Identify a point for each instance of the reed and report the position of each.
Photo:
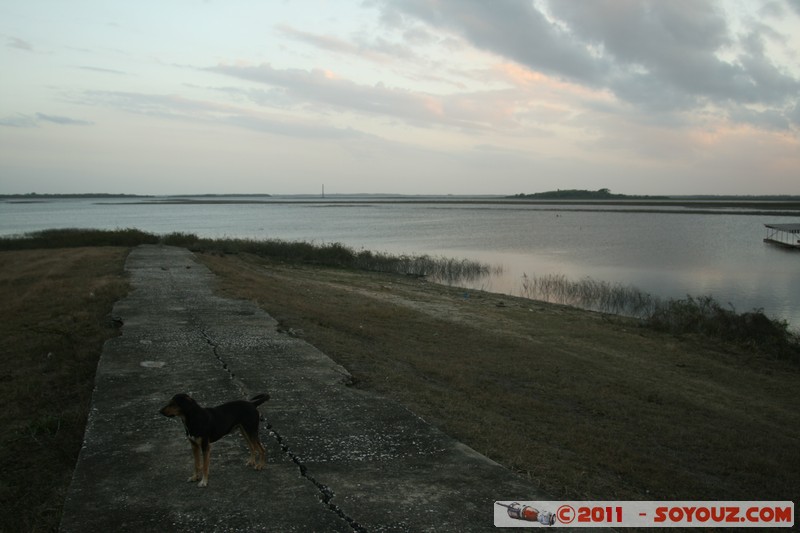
(438, 269)
(588, 293)
(691, 315)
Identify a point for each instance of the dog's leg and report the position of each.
(206, 448)
(197, 464)
(262, 454)
(256, 450)
(251, 461)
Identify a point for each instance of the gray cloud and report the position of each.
(293, 129)
(317, 88)
(18, 121)
(157, 105)
(514, 29)
(19, 44)
(21, 120)
(179, 108)
(379, 50)
(103, 70)
(327, 42)
(658, 55)
(64, 121)
(674, 45)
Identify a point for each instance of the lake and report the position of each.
(669, 252)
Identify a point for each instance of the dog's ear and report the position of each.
(184, 401)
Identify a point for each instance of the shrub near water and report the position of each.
(76, 237)
(706, 316)
(691, 315)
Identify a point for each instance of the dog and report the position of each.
(206, 425)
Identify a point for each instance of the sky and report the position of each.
(401, 97)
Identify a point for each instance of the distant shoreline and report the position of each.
(718, 205)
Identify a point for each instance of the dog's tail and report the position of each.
(258, 400)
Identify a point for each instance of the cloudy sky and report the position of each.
(391, 96)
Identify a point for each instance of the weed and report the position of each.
(705, 316)
(590, 294)
(692, 315)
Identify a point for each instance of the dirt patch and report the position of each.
(587, 405)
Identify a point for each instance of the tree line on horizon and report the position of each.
(606, 194)
(585, 194)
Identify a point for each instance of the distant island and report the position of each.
(583, 194)
(37, 197)
(33, 196)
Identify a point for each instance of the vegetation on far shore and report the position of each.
(33, 196)
(606, 194)
(583, 194)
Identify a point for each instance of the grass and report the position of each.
(438, 269)
(589, 408)
(586, 406)
(54, 323)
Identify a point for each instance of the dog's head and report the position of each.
(179, 405)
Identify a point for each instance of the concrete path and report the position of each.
(339, 459)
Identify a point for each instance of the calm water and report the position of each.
(665, 254)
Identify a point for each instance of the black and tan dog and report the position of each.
(207, 425)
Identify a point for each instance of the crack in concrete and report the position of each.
(326, 494)
(215, 349)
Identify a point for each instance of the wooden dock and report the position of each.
(783, 235)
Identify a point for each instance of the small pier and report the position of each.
(783, 235)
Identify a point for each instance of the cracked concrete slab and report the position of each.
(339, 459)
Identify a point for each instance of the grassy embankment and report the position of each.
(53, 325)
(588, 405)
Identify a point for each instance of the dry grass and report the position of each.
(591, 407)
(54, 322)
